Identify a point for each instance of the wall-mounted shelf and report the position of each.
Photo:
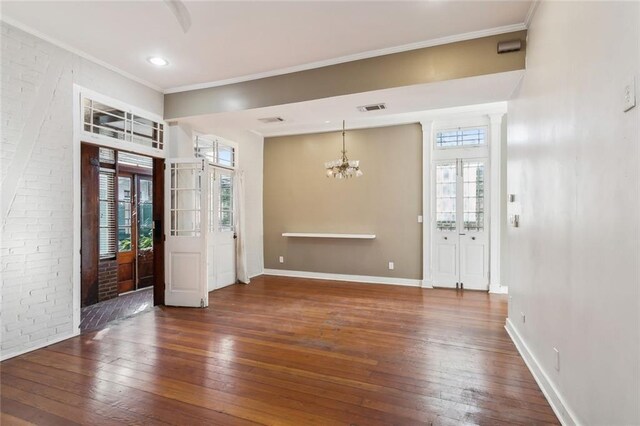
(317, 235)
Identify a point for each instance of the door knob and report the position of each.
(473, 238)
(445, 238)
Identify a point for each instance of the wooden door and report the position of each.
(144, 196)
(127, 233)
(90, 212)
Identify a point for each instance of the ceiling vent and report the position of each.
(268, 120)
(373, 107)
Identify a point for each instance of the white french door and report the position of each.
(186, 192)
(460, 224)
(221, 242)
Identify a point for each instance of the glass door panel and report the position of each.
(145, 231)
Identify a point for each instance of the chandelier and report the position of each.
(343, 168)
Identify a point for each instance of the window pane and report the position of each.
(124, 238)
(145, 215)
(225, 203)
(225, 155)
(446, 197)
(118, 124)
(473, 195)
(185, 199)
(475, 136)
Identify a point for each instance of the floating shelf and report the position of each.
(315, 235)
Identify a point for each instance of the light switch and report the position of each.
(281, 259)
(629, 95)
(419, 218)
(391, 265)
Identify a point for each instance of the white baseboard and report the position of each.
(501, 289)
(566, 416)
(342, 277)
(45, 343)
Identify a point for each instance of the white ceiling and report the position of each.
(240, 40)
(408, 104)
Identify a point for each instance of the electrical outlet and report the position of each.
(391, 265)
(281, 259)
(629, 95)
(557, 353)
(524, 317)
(420, 218)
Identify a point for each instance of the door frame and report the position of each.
(158, 155)
(493, 118)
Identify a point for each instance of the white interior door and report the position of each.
(445, 234)
(474, 238)
(186, 192)
(460, 234)
(222, 243)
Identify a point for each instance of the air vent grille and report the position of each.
(373, 107)
(268, 120)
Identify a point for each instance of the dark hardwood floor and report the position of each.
(287, 351)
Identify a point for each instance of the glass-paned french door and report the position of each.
(460, 226)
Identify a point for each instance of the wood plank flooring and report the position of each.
(287, 351)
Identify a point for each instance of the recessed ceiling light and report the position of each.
(327, 122)
(158, 61)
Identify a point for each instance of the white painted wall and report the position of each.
(37, 182)
(573, 165)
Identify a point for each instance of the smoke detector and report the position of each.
(372, 107)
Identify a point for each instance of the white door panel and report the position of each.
(185, 245)
(222, 246)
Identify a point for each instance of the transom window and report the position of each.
(215, 152)
(102, 119)
(461, 137)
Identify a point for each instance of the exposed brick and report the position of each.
(107, 279)
(36, 238)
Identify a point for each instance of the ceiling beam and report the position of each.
(432, 64)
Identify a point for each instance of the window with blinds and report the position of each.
(107, 223)
(215, 152)
(102, 119)
(461, 137)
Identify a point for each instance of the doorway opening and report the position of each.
(460, 199)
(122, 243)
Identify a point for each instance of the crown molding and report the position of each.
(304, 67)
(355, 57)
(80, 53)
(531, 12)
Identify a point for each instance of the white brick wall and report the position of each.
(36, 133)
